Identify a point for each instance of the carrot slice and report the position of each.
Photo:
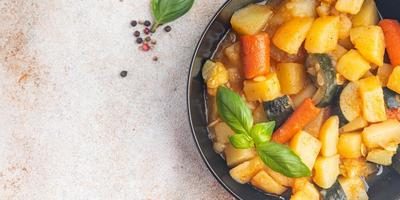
(391, 30)
(297, 121)
(255, 51)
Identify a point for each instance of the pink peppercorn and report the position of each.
(145, 47)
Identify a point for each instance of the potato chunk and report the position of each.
(380, 156)
(326, 171)
(244, 172)
(373, 103)
(236, 156)
(352, 65)
(370, 42)
(266, 183)
(306, 147)
(382, 134)
(251, 19)
(354, 125)
(394, 80)
(262, 88)
(222, 133)
(368, 14)
(323, 35)
(292, 77)
(279, 178)
(350, 145)
(353, 188)
(329, 136)
(304, 190)
(384, 73)
(292, 34)
(349, 6)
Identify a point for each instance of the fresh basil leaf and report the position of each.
(233, 110)
(262, 132)
(241, 141)
(165, 11)
(282, 159)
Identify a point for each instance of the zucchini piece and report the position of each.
(278, 110)
(324, 76)
(350, 102)
(392, 99)
(335, 192)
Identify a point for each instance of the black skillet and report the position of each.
(383, 187)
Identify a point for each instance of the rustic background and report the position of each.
(72, 128)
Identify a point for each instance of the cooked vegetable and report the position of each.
(214, 74)
(334, 193)
(292, 77)
(394, 80)
(291, 35)
(235, 156)
(326, 171)
(262, 88)
(373, 103)
(350, 145)
(329, 136)
(255, 52)
(320, 66)
(349, 6)
(303, 189)
(352, 65)
(301, 116)
(368, 14)
(354, 125)
(259, 114)
(233, 54)
(393, 113)
(338, 52)
(384, 73)
(222, 133)
(392, 99)
(251, 19)
(314, 126)
(247, 170)
(266, 183)
(380, 156)
(370, 42)
(304, 94)
(279, 178)
(278, 110)
(218, 147)
(382, 134)
(306, 147)
(301, 8)
(350, 102)
(356, 168)
(344, 26)
(354, 188)
(323, 35)
(391, 30)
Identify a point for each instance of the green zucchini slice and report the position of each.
(278, 110)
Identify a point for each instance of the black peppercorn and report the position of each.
(167, 28)
(133, 23)
(139, 40)
(148, 39)
(136, 33)
(147, 23)
(123, 74)
(155, 58)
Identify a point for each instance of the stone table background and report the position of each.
(72, 128)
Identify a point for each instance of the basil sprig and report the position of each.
(234, 111)
(165, 11)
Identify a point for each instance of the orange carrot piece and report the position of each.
(300, 118)
(391, 30)
(393, 113)
(255, 52)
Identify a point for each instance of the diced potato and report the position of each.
(266, 183)
(323, 35)
(218, 147)
(279, 178)
(356, 167)
(370, 42)
(380, 156)
(382, 134)
(349, 6)
(329, 136)
(350, 145)
(304, 190)
(236, 156)
(354, 188)
(373, 104)
(262, 88)
(292, 77)
(214, 74)
(326, 171)
(344, 26)
(314, 126)
(233, 54)
(352, 65)
(306, 147)
(323, 9)
(251, 19)
(301, 8)
(394, 80)
(338, 52)
(384, 73)
(244, 172)
(222, 133)
(292, 34)
(307, 92)
(367, 16)
(354, 125)
(259, 114)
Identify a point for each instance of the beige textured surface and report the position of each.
(71, 128)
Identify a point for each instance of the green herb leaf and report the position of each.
(165, 11)
(234, 111)
(241, 141)
(282, 159)
(262, 132)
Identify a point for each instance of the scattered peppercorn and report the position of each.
(155, 58)
(154, 42)
(145, 47)
(147, 23)
(133, 23)
(123, 74)
(146, 31)
(148, 39)
(167, 28)
(136, 33)
(139, 40)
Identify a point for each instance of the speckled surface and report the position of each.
(72, 128)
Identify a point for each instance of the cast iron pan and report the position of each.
(383, 187)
